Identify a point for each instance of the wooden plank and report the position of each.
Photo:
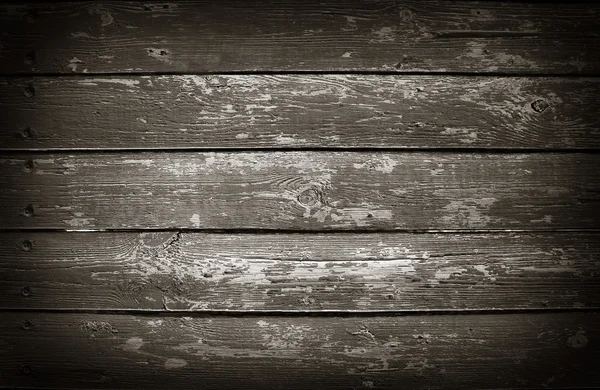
(312, 35)
(292, 272)
(421, 352)
(300, 191)
(225, 111)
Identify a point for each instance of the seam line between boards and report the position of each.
(304, 313)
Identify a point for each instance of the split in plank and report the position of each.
(541, 350)
(299, 272)
(300, 191)
(335, 111)
(312, 35)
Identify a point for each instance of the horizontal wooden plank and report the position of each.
(299, 272)
(347, 111)
(312, 35)
(300, 190)
(422, 352)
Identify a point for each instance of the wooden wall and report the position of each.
(281, 194)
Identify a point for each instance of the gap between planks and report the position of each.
(305, 313)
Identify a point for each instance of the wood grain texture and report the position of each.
(312, 35)
(299, 272)
(332, 111)
(300, 190)
(431, 352)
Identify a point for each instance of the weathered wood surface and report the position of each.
(300, 190)
(299, 272)
(550, 350)
(348, 111)
(349, 35)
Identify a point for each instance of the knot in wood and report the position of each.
(32, 15)
(25, 245)
(406, 15)
(26, 369)
(26, 325)
(29, 90)
(26, 292)
(29, 165)
(30, 58)
(540, 105)
(27, 211)
(27, 133)
(310, 197)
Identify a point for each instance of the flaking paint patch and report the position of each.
(155, 323)
(468, 212)
(173, 363)
(447, 272)
(285, 338)
(79, 222)
(159, 54)
(384, 34)
(418, 365)
(467, 136)
(283, 139)
(133, 344)
(361, 216)
(493, 60)
(384, 164)
(546, 219)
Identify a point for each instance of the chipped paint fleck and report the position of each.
(195, 220)
(73, 62)
(80, 34)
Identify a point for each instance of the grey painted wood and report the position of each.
(299, 272)
(300, 190)
(550, 350)
(349, 35)
(224, 111)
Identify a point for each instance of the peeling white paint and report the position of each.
(126, 82)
